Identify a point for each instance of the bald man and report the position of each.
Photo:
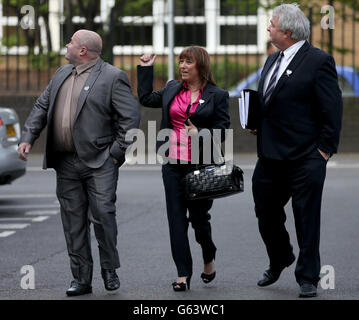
(88, 107)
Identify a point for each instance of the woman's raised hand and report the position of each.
(147, 60)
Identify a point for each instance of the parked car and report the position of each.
(347, 77)
(11, 167)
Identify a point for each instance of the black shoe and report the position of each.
(272, 274)
(207, 278)
(307, 290)
(110, 279)
(182, 286)
(78, 289)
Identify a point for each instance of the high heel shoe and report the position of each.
(182, 286)
(207, 278)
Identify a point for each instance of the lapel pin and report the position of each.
(288, 72)
(87, 87)
(201, 101)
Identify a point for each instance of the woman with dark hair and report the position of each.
(188, 106)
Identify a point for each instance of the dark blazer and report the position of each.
(305, 109)
(213, 113)
(106, 110)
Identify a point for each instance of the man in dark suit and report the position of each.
(298, 130)
(88, 107)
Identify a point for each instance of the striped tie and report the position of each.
(272, 81)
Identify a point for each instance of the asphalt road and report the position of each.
(31, 234)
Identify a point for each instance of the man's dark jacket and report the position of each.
(305, 109)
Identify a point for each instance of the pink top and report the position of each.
(180, 143)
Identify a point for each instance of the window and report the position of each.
(189, 7)
(238, 34)
(239, 8)
(189, 23)
(137, 8)
(188, 34)
(238, 26)
(133, 35)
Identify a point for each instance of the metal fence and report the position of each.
(234, 33)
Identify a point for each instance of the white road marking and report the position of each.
(40, 219)
(332, 164)
(28, 206)
(27, 196)
(41, 212)
(35, 169)
(14, 226)
(37, 219)
(5, 234)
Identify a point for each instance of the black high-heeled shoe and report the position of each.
(207, 278)
(182, 286)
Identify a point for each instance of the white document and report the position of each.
(243, 104)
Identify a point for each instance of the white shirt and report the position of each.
(289, 54)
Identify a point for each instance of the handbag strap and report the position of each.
(220, 148)
(214, 144)
(188, 108)
(198, 166)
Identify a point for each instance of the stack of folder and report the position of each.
(249, 108)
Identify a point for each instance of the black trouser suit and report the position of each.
(177, 207)
(274, 183)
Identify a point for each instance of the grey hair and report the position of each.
(91, 40)
(291, 18)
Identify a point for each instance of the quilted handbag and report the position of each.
(214, 181)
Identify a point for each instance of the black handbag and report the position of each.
(214, 181)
